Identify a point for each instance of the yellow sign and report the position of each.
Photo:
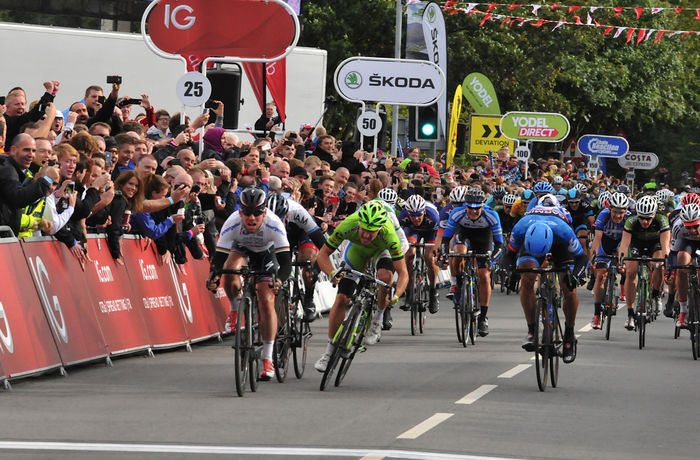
(485, 134)
(454, 119)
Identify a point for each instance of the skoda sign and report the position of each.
(390, 81)
(639, 160)
(602, 146)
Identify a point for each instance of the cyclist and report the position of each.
(495, 201)
(583, 190)
(666, 202)
(305, 237)
(684, 244)
(559, 190)
(645, 234)
(507, 220)
(259, 236)
(674, 221)
(541, 189)
(420, 221)
(601, 202)
(542, 231)
(581, 217)
(388, 198)
(520, 206)
(609, 226)
(479, 227)
(370, 233)
(456, 200)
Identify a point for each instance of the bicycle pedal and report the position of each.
(362, 349)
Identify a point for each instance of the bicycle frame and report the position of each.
(642, 313)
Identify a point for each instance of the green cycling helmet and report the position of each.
(373, 216)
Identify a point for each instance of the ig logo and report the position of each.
(171, 17)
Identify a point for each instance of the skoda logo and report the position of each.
(353, 80)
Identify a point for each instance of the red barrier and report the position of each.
(115, 304)
(62, 292)
(218, 301)
(151, 283)
(196, 308)
(26, 344)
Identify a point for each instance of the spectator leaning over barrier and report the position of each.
(128, 198)
(16, 114)
(126, 146)
(15, 190)
(152, 225)
(35, 219)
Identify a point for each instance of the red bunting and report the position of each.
(508, 19)
(697, 16)
(491, 6)
(618, 10)
(608, 30)
(554, 7)
(573, 8)
(486, 18)
(513, 6)
(658, 37)
(453, 12)
(678, 10)
(538, 23)
(450, 3)
(640, 37)
(639, 12)
(578, 20)
(630, 33)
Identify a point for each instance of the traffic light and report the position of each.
(427, 123)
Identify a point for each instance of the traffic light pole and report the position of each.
(397, 55)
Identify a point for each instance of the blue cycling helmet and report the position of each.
(622, 188)
(544, 187)
(538, 239)
(573, 194)
(527, 195)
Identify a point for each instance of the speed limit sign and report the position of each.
(369, 123)
(522, 153)
(193, 89)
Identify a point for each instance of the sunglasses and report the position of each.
(575, 202)
(645, 218)
(252, 211)
(690, 227)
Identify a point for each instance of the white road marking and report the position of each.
(586, 328)
(515, 371)
(476, 394)
(425, 425)
(228, 450)
(372, 457)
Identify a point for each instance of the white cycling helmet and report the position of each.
(457, 194)
(388, 195)
(558, 180)
(581, 188)
(647, 206)
(548, 200)
(690, 214)
(415, 204)
(603, 199)
(618, 200)
(509, 199)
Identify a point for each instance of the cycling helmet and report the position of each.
(603, 199)
(509, 200)
(544, 187)
(581, 188)
(277, 204)
(498, 192)
(622, 188)
(548, 200)
(538, 239)
(690, 214)
(661, 195)
(252, 198)
(558, 180)
(415, 205)
(573, 194)
(527, 195)
(474, 198)
(457, 194)
(689, 198)
(388, 195)
(618, 200)
(647, 206)
(372, 216)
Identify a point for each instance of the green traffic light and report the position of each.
(428, 129)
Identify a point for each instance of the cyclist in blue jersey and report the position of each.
(419, 221)
(608, 233)
(495, 201)
(456, 200)
(541, 189)
(544, 231)
(480, 228)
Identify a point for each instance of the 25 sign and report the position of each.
(193, 89)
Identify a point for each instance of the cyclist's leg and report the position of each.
(657, 275)
(232, 287)
(527, 296)
(570, 307)
(684, 258)
(385, 272)
(307, 253)
(601, 273)
(431, 268)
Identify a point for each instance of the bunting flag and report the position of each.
(642, 34)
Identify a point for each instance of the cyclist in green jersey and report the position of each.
(372, 238)
(646, 233)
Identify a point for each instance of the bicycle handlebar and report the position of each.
(345, 269)
(470, 255)
(422, 245)
(644, 259)
(543, 270)
(684, 267)
(302, 263)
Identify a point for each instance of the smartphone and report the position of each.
(210, 104)
(126, 102)
(112, 79)
(101, 99)
(292, 135)
(70, 188)
(195, 188)
(108, 159)
(265, 147)
(180, 186)
(2, 100)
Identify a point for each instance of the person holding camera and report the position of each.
(268, 121)
(100, 108)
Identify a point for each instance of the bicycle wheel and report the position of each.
(340, 342)
(242, 346)
(465, 311)
(413, 299)
(458, 308)
(424, 300)
(473, 318)
(556, 348)
(360, 327)
(641, 311)
(256, 349)
(693, 325)
(283, 339)
(542, 338)
(609, 303)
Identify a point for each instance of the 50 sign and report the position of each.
(193, 89)
(369, 123)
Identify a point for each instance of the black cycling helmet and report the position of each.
(252, 198)
(498, 192)
(474, 198)
(277, 204)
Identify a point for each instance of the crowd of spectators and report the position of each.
(96, 169)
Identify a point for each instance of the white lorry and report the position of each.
(79, 58)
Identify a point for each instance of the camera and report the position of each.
(112, 79)
(2, 100)
(101, 99)
(70, 188)
(125, 102)
(195, 189)
(210, 104)
(292, 136)
(198, 220)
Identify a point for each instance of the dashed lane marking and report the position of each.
(425, 425)
(472, 397)
(586, 328)
(515, 371)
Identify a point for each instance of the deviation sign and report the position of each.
(485, 135)
(639, 160)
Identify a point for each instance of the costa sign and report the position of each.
(639, 160)
(390, 81)
(535, 126)
(602, 146)
(264, 30)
